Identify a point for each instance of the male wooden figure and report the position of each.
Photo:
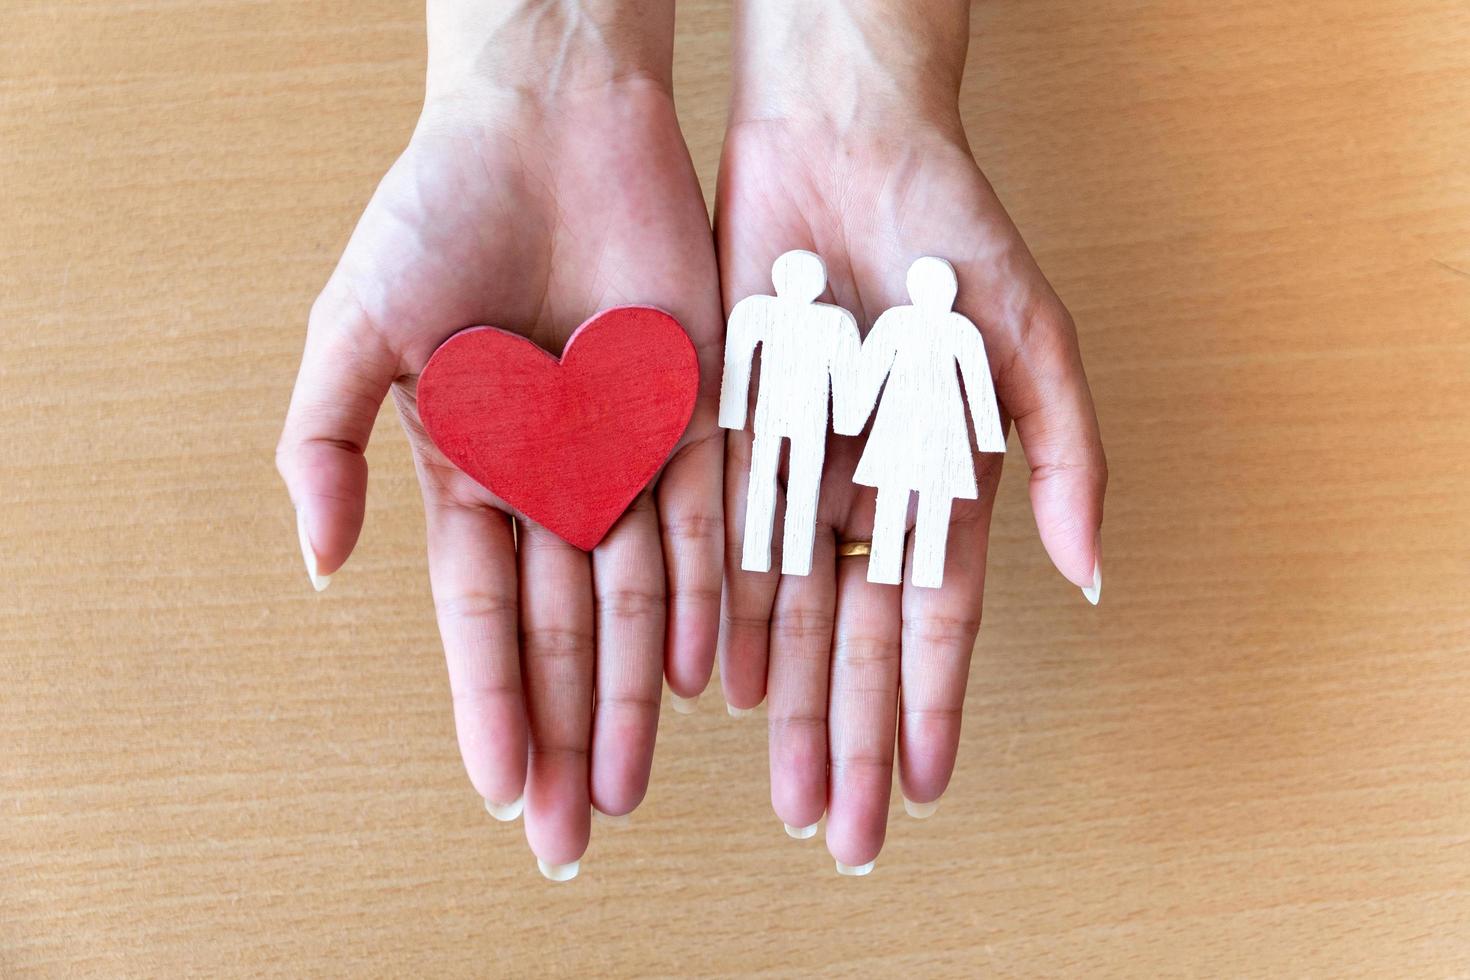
(803, 344)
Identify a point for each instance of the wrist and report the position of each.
(854, 64)
(543, 49)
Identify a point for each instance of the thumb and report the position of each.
(1044, 388)
(345, 374)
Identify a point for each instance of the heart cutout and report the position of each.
(568, 442)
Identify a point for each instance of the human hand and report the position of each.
(845, 139)
(546, 180)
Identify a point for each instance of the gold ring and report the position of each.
(854, 549)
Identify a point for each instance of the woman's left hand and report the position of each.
(870, 181)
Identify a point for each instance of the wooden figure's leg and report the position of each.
(803, 485)
(931, 533)
(885, 562)
(760, 503)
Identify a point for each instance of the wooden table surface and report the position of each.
(1252, 759)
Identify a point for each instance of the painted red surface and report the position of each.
(569, 443)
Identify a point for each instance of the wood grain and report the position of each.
(1252, 759)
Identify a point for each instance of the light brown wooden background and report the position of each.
(1252, 759)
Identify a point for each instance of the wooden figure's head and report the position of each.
(799, 276)
(932, 284)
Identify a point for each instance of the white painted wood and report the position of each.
(803, 343)
(919, 442)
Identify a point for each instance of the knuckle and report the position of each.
(336, 308)
(694, 595)
(554, 642)
(1090, 471)
(283, 457)
(630, 702)
(863, 651)
(948, 713)
(744, 623)
(632, 603)
(860, 761)
(803, 626)
(936, 630)
(1044, 334)
(797, 724)
(1045, 320)
(475, 696)
(477, 606)
(690, 529)
(559, 749)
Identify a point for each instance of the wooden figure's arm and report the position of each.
(979, 389)
(855, 388)
(741, 338)
(847, 352)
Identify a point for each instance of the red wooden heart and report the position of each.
(569, 443)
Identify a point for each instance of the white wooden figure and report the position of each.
(919, 441)
(803, 345)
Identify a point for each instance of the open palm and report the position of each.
(830, 650)
(530, 217)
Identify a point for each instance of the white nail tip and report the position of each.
(920, 811)
(559, 872)
(621, 820)
(506, 812)
(855, 871)
(1094, 592)
(739, 712)
(318, 581)
(685, 706)
(800, 833)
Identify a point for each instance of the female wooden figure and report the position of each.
(919, 442)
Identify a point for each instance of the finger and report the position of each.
(801, 652)
(690, 511)
(1042, 385)
(628, 588)
(556, 650)
(344, 376)
(745, 620)
(472, 568)
(862, 716)
(939, 630)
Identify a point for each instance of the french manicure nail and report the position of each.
(685, 706)
(739, 712)
(318, 581)
(800, 833)
(856, 871)
(1094, 591)
(920, 811)
(506, 812)
(559, 872)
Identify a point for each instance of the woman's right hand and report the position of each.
(845, 140)
(547, 179)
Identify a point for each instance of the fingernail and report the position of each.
(621, 820)
(920, 811)
(800, 833)
(506, 812)
(559, 872)
(685, 706)
(739, 712)
(856, 871)
(318, 581)
(1094, 591)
